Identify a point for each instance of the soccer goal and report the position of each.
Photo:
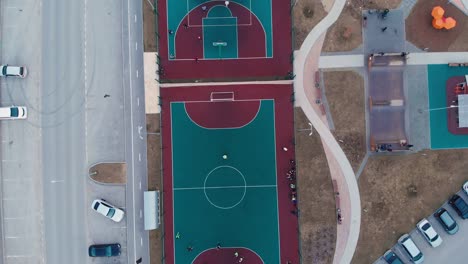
(222, 96)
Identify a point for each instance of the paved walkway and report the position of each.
(306, 60)
(341, 61)
(419, 58)
(424, 58)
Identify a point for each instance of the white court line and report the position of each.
(226, 187)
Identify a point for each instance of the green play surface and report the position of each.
(220, 38)
(233, 200)
(441, 138)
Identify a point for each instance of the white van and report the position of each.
(416, 256)
(13, 112)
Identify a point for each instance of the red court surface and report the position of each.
(244, 111)
(251, 46)
(452, 113)
(251, 38)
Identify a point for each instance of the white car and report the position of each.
(429, 233)
(107, 210)
(465, 187)
(13, 112)
(18, 71)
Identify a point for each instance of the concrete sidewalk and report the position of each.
(414, 58)
(341, 61)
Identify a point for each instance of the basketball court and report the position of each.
(203, 35)
(222, 160)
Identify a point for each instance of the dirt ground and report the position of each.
(149, 27)
(397, 191)
(346, 33)
(347, 107)
(306, 14)
(154, 180)
(420, 32)
(115, 173)
(317, 218)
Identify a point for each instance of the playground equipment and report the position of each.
(439, 21)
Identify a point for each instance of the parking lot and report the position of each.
(21, 179)
(104, 230)
(453, 248)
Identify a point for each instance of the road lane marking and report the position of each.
(56, 181)
(137, 73)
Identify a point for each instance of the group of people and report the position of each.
(291, 176)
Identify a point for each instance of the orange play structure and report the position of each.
(439, 21)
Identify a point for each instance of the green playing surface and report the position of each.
(233, 200)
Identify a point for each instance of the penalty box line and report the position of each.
(226, 187)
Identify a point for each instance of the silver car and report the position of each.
(415, 254)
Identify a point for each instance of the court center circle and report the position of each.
(225, 187)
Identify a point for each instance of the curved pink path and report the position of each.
(222, 114)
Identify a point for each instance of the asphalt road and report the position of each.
(76, 52)
(63, 132)
(92, 49)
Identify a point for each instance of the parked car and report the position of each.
(18, 71)
(107, 210)
(13, 112)
(465, 187)
(429, 233)
(105, 250)
(391, 258)
(459, 205)
(414, 253)
(447, 221)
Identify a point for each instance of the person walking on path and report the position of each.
(218, 246)
(189, 248)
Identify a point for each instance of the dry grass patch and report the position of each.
(306, 14)
(345, 95)
(316, 200)
(397, 191)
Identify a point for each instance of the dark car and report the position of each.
(446, 220)
(459, 205)
(105, 250)
(392, 258)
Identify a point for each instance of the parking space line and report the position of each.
(19, 256)
(14, 218)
